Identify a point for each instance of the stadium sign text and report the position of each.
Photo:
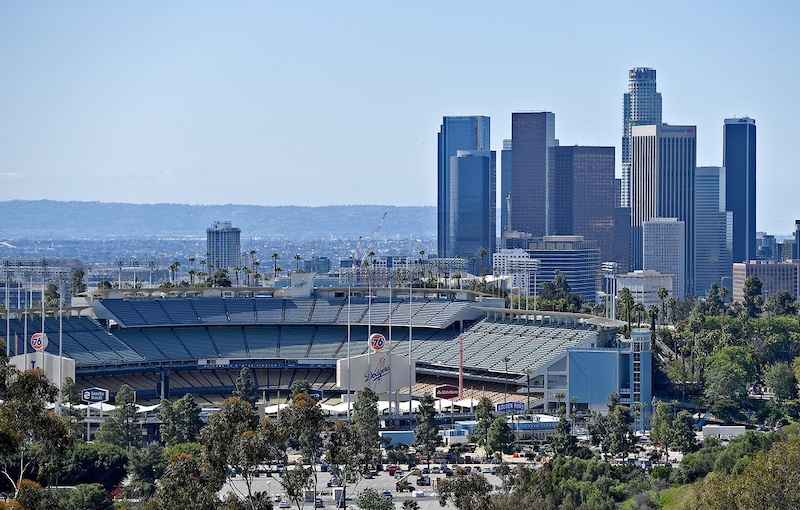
(505, 407)
(447, 391)
(95, 395)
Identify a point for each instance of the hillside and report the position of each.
(47, 219)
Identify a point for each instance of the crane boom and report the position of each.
(372, 239)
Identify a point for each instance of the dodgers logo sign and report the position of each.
(377, 342)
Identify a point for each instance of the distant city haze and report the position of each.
(319, 103)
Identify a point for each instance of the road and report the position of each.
(380, 483)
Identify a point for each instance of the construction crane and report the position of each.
(371, 241)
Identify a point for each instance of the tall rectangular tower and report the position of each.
(505, 186)
(472, 212)
(532, 135)
(581, 195)
(467, 133)
(739, 160)
(663, 165)
(641, 106)
(713, 230)
(223, 245)
(663, 250)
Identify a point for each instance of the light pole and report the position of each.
(506, 360)
(528, 374)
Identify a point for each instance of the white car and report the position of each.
(284, 504)
(419, 494)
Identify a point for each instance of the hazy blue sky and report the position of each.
(315, 103)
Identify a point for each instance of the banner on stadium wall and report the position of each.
(375, 371)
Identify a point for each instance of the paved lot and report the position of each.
(380, 483)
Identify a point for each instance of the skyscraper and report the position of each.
(663, 165)
(223, 245)
(641, 106)
(472, 213)
(505, 185)
(713, 230)
(580, 195)
(739, 160)
(663, 250)
(468, 133)
(532, 134)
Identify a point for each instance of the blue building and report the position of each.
(472, 217)
(739, 160)
(468, 133)
(624, 368)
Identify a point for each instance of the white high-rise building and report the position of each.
(223, 245)
(664, 244)
(641, 106)
(663, 168)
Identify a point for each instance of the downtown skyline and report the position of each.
(195, 103)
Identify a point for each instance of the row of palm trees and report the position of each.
(249, 271)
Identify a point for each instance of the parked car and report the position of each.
(386, 494)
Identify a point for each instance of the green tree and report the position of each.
(410, 504)
(299, 386)
(370, 499)
(220, 278)
(613, 431)
(753, 299)
(727, 375)
(563, 442)
(484, 414)
(76, 283)
(467, 491)
(275, 258)
(29, 432)
(89, 496)
(304, 426)
(426, 433)
(180, 421)
(367, 423)
(233, 437)
(96, 462)
(173, 271)
(245, 388)
(683, 432)
(780, 378)
(781, 303)
(500, 437)
(661, 425)
(145, 466)
(51, 295)
(662, 295)
(188, 482)
(104, 284)
(627, 304)
(121, 427)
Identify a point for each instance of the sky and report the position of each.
(335, 103)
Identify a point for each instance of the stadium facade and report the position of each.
(169, 342)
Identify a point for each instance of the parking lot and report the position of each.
(382, 482)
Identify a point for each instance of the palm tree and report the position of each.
(662, 295)
(559, 397)
(297, 259)
(639, 309)
(410, 504)
(482, 255)
(173, 269)
(652, 311)
(275, 258)
(236, 272)
(626, 300)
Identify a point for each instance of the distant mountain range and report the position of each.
(49, 219)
